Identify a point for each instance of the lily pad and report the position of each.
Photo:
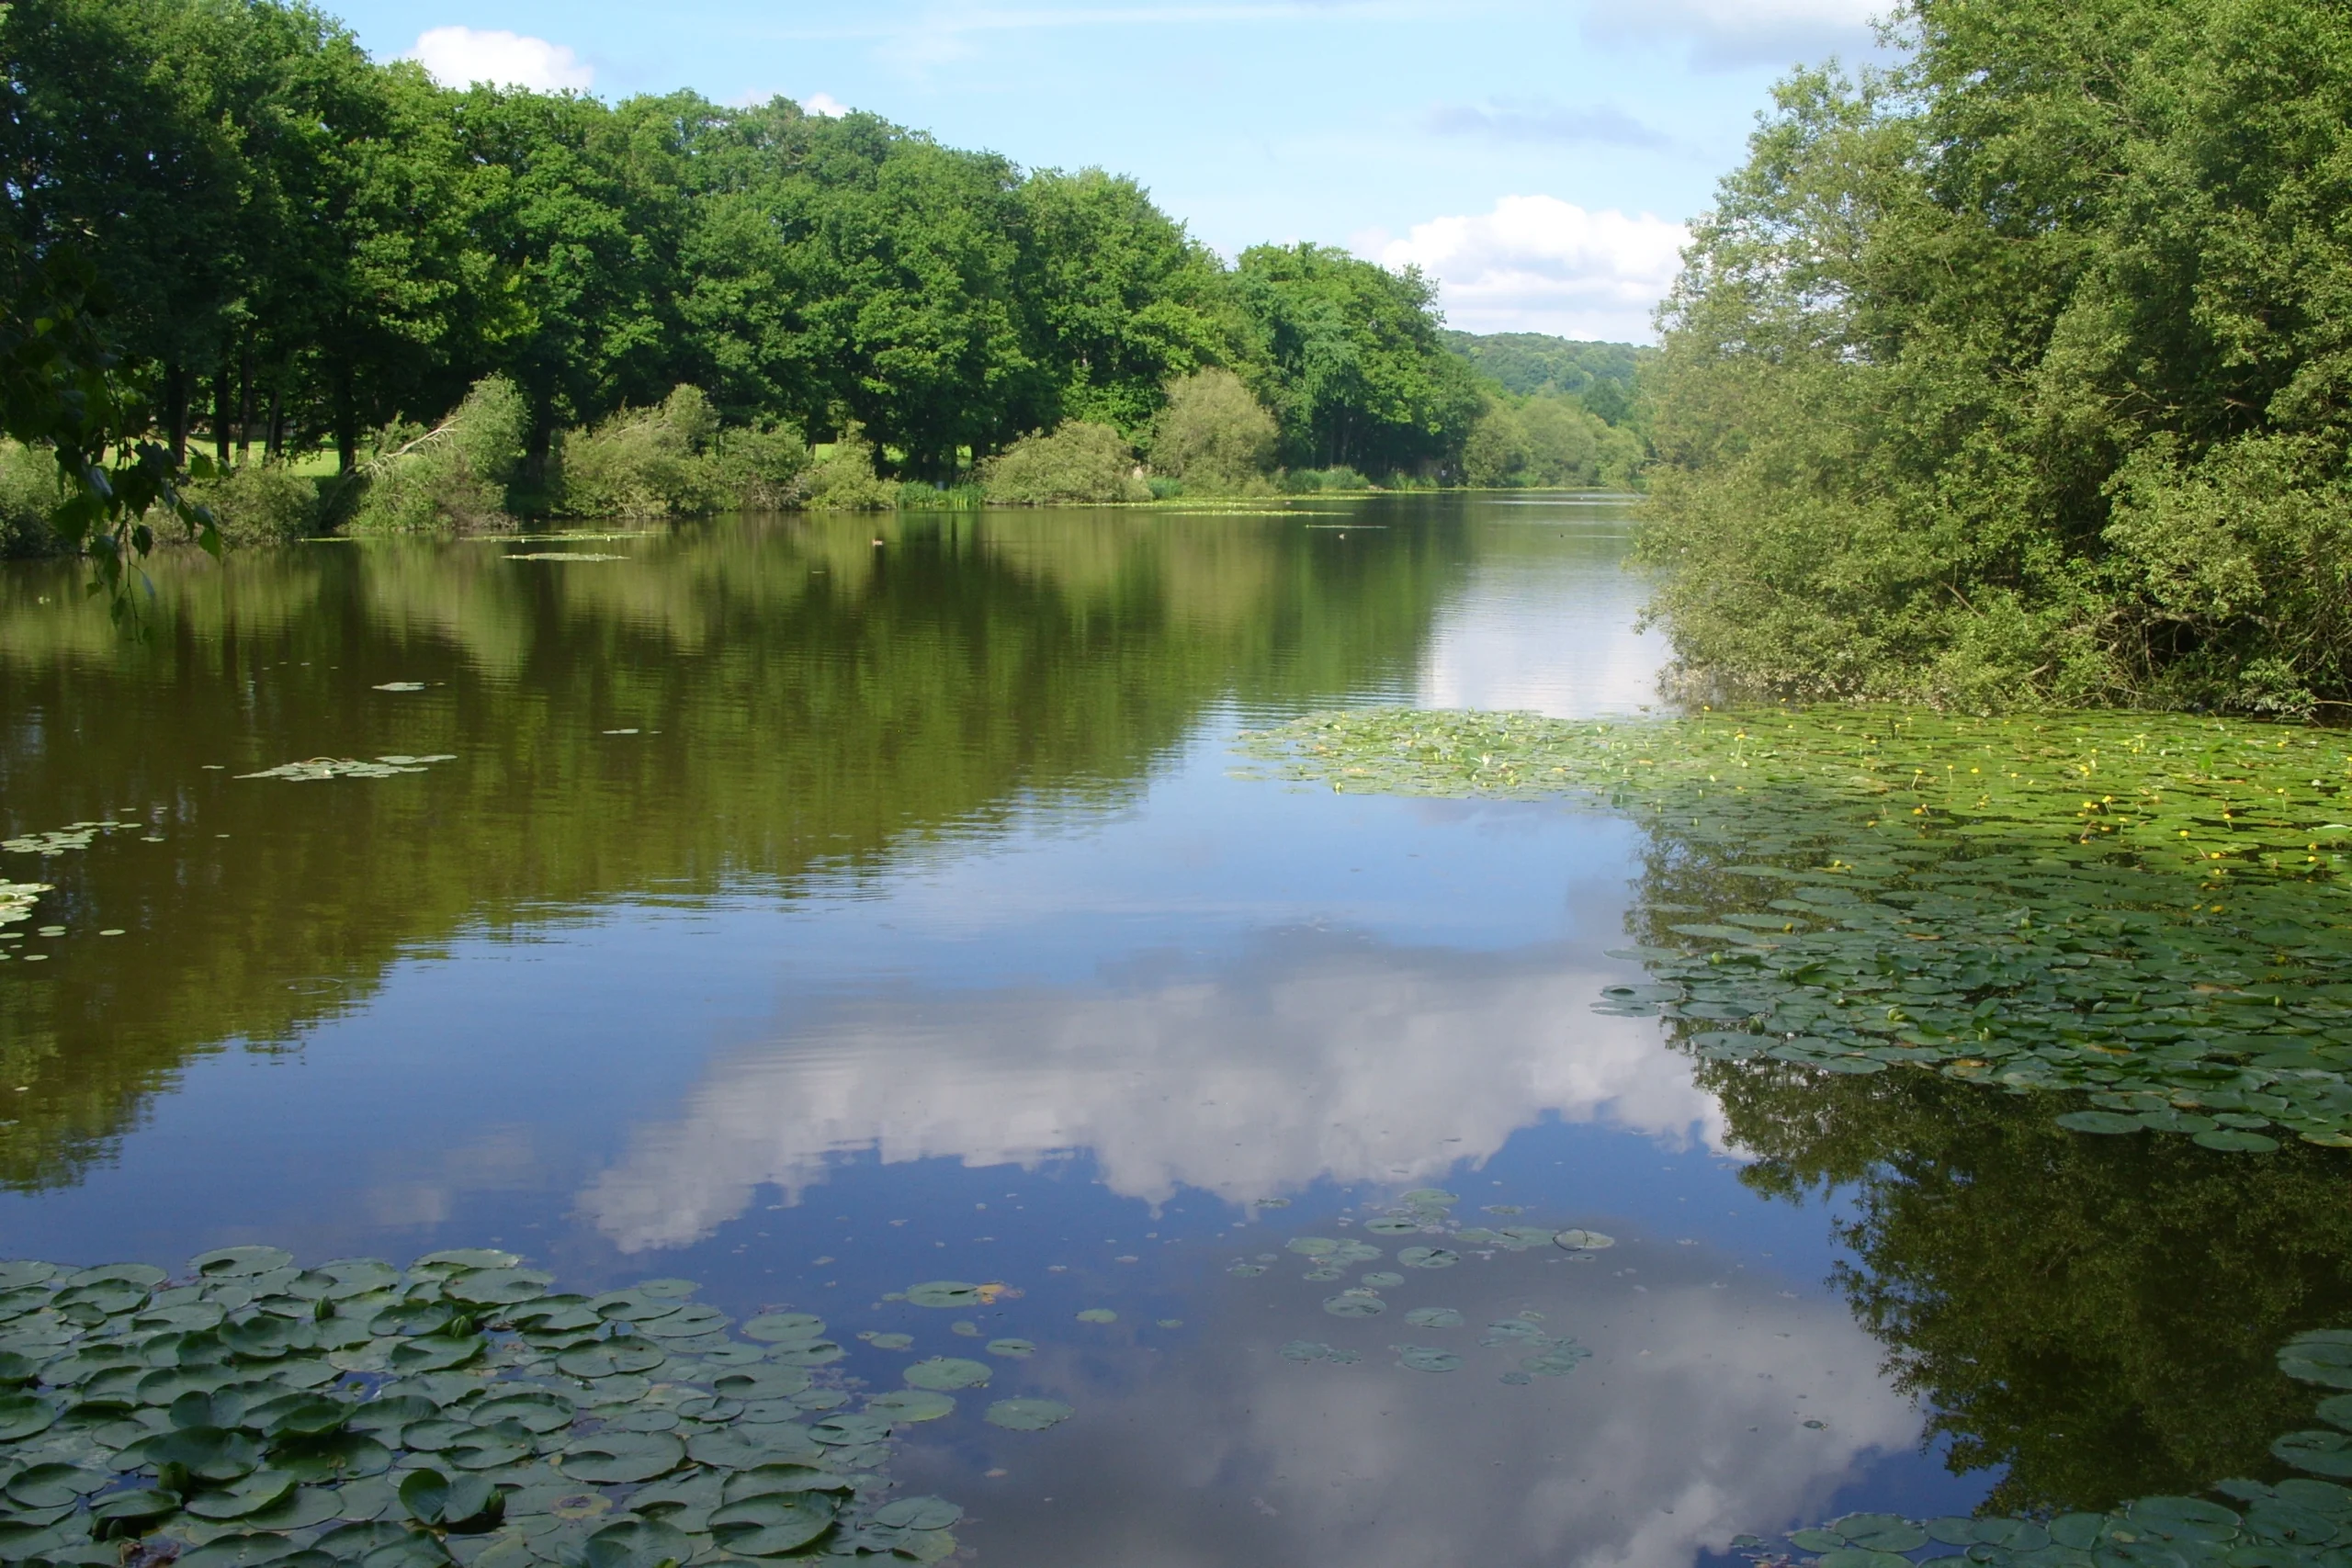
(911, 1405)
(1097, 1315)
(1027, 1414)
(1583, 1241)
(918, 1514)
(778, 1327)
(1428, 1258)
(2321, 1453)
(1017, 1349)
(946, 1374)
(1427, 1358)
(23, 1414)
(608, 1359)
(774, 1524)
(248, 1494)
(946, 1293)
(232, 1262)
(1434, 1318)
(621, 1457)
(635, 1543)
(1349, 1303)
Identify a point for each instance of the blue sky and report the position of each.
(1538, 157)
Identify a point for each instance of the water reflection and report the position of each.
(1315, 1056)
(1685, 1429)
(773, 704)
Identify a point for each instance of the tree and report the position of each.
(1354, 368)
(1124, 299)
(2023, 371)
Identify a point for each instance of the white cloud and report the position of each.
(1740, 32)
(1316, 1056)
(825, 105)
(1543, 121)
(1537, 264)
(459, 57)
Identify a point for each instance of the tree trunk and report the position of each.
(220, 415)
(347, 424)
(246, 400)
(275, 437)
(176, 410)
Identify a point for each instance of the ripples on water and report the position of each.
(812, 916)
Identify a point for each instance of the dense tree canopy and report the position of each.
(310, 245)
(2020, 371)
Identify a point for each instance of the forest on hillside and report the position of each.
(489, 300)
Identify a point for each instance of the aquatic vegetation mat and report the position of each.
(1533, 1351)
(2299, 1522)
(17, 898)
(319, 768)
(2149, 909)
(253, 1411)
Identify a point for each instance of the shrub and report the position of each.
(454, 475)
(761, 467)
(260, 503)
(1306, 481)
(844, 479)
(643, 463)
(28, 493)
(1214, 435)
(1078, 463)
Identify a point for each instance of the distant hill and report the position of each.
(1533, 364)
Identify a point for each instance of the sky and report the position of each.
(1539, 158)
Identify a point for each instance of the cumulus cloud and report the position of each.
(1723, 33)
(1542, 121)
(825, 105)
(1538, 264)
(1318, 1056)
(459, 57)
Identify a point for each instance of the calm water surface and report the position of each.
(811, 912)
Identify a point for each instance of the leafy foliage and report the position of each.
(1078, 462)
(1214, 435)
(1549, 443)
(2018, 372)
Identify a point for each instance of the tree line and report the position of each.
(303, 245)
(2018, 371)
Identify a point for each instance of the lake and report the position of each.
(816, 907)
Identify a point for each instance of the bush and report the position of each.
(1306, 481)
(1214, 435)
(28, 493)
(1162, 487)
(643, 463)
(761, 467)
(261, 503)
(454, 475)
(1077, 464)
(844, 479)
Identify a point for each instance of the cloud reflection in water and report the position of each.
(1318, 1056)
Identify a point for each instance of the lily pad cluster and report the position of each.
(17, 898)
(2304, 1521)
(1427, 1210)
(318, 768)
(931, 1381)
(253, 1411)
(2149, 909)
(58, 840)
